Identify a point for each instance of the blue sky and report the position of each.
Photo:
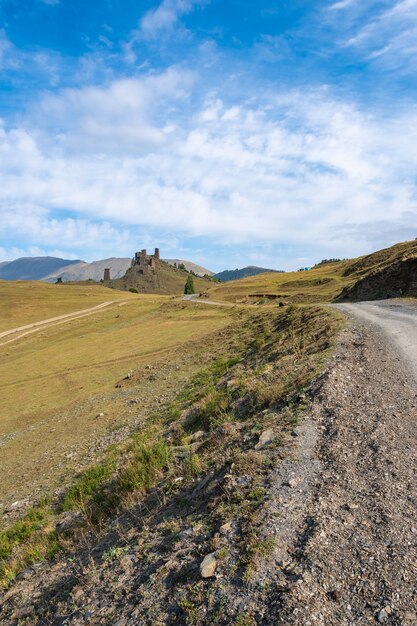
(226, 132)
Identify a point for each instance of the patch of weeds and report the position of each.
(210, 411)
(192, 466)
(222, 554)
(171, 527)
(86, 485)
(244, 620)
(114, 553)
(219, 612)
(142, 470)
(190, 611)
(246, 462)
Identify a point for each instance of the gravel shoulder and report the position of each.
(354, 557)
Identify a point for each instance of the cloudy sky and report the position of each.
(228, 132)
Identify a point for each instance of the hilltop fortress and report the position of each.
(142, 262)
(148, 273)
(145, 263)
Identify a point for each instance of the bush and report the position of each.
(189, 286)
(133, 290)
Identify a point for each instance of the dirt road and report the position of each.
(17, 333)
(353, 560)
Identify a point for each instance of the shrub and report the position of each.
(189, 286)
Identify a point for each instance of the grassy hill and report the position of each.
(385, 273)
(244, 272)
(166, 280)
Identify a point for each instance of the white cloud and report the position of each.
(122, 117)
(343, 4)
(389, 36)
(297, 168)
(166, 16)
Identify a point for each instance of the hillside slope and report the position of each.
(250, 270)
(33, 268)
(383, 274)
(91, 271)
(190, 267)
(166, 280)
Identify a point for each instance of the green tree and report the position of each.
(189, 286)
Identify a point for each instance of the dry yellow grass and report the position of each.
(54, 382)
(320, 284)
(25, 302)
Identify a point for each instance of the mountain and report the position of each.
(190, 267)
(91, 271)
(250, 270)
(48, 269)
(33, 268)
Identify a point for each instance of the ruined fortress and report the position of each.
(145, 263)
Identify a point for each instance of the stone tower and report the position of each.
(156, 255)
(106, 274)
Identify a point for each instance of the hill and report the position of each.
(91, 271)
(190, 267)
(33, 268)
(250, 270)
(383, 274)
(166, 280)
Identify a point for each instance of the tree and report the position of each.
(189, 286)
(58, 281)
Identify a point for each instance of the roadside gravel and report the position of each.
(354, 559)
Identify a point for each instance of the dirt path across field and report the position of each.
(22, 331)
(196, 298)
(353, 559)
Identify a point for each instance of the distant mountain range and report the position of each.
(250, 270)
(33, 268)
(49, 269)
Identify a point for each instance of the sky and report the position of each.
(226, 132)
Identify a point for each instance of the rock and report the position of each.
(208, 566)
(197, 436)
(383, 614)
(99, 415)
(226, 528)
(267, 437)
(133, 402)
(294, 481)
(335, 595)
(25, 611)
(187, 532)
(16, 506)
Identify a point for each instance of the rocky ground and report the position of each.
(354, 559)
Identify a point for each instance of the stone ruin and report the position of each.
(106, 275)
(145, 263)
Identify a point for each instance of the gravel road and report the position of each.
(353, 560)
(398, 321)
